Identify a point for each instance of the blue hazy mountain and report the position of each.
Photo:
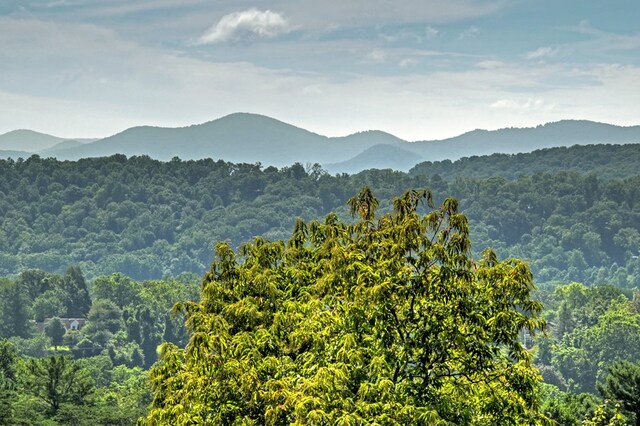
(484, 142)
(379, 156)
(8, 153)
(517, 140)
(63, 146)
(238, 138)
(252, 138)
(27, 141)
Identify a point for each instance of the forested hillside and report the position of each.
(132, 225)
(149, 219)
(605, 161)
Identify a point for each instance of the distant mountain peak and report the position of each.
(253, 119)
(574, 121)
(374, 133)
(244, 117)
(371, 132)
(27, 140)
(26, 132)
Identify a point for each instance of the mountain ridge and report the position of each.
(252, 138)
(27, 140)
(31, 141)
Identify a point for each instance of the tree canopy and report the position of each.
(384, 321)
(149, 219)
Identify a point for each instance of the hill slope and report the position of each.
(27, 141)
(149, 219)
(381, 156)
(605, 161)
(63, 146)
(8, 153)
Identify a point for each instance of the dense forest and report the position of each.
(606, 161)
(322, 319)
(149, 219)
(50, 374)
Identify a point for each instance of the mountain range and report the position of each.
(252, 138)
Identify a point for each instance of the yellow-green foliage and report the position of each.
(383, 322)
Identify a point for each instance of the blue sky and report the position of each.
(418, 69)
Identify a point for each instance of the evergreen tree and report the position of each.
(78, 298)
(14, 310)
(622, 384)
(55, 330)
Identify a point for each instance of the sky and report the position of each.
(419, 69)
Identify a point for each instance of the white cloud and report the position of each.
(469, 32)
(407, 62)
(247, 24)
(542, 53)
(490, 64)
(524, 105)
(431, 32)
(410, 34)
(376, 55)
(603, 41)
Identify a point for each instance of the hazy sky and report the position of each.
(420, 69)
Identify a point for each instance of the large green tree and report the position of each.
(623, 384)
(78, 301)
(383, 321)
(7, 382)
(56, 331)
(14, 310)
(56, 381)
